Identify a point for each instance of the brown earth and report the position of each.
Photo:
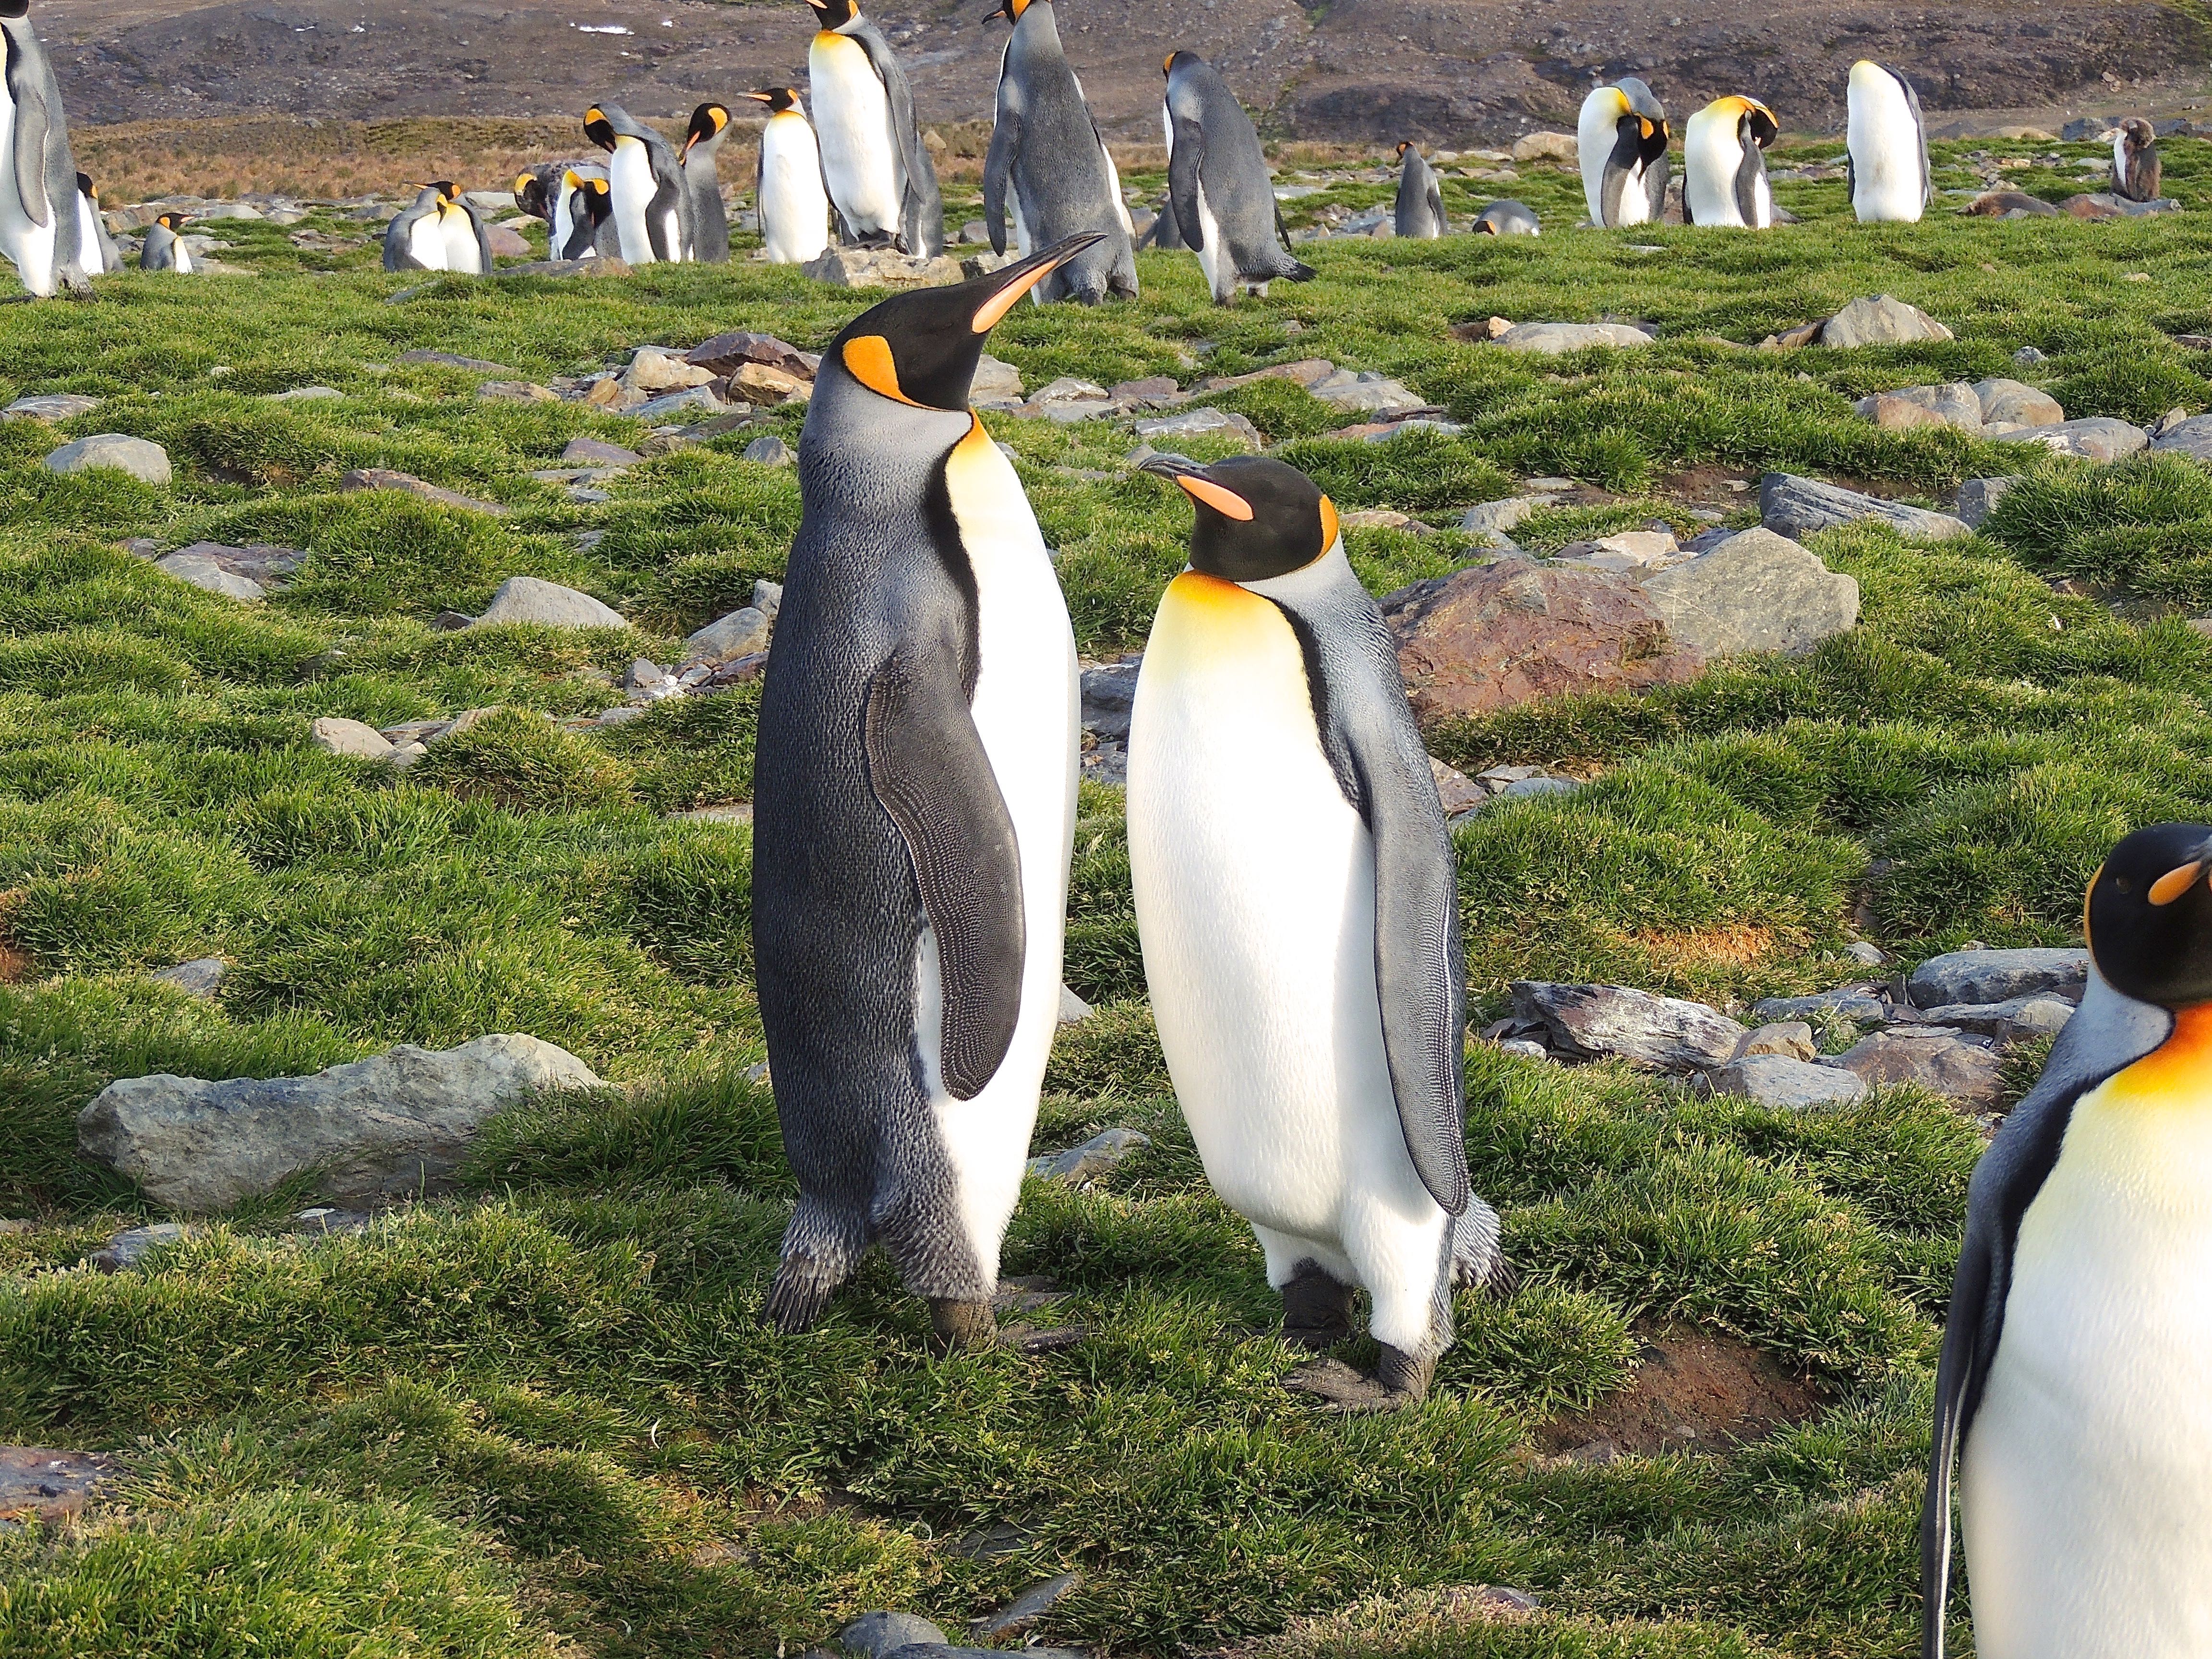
(1440, 69)
(1693, 1392)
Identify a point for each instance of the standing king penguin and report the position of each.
(1724, 165)
(1218, 180)
(40, 227)
(710, 222)
(1622, 141)
(2136, 170)
(438, 231)
(1888, 164)
(645, 185)
(1297, 907)
(794, 207)
(1420, 198)
(165, 250)
(1045, 144)
(912, 814)
(881, 179)
(96, 247)
(2076, 1381)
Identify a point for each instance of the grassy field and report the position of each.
(547, 1419)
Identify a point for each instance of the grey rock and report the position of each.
(1554, 339)
(405, 755)
(1797, 508)
(675, 403)
(1983, 977)
(598, 452)
(1785, 1082)
(1931, 1057)
(203, 572)
(2192, 436)
(452, 360)
(860, 267)
(127, 1250)
(1025, 1609)
(2017, 1019)
(1093, 1158)
(1365, 389)
(1861, 1007)
(769, 450)
(1498, 517)
(1978, 497)
(2018, 402)
(1755, 591)
(1653, 1033)
(1882, 320)
(768, 597)
(302, 394)
(1859, 950)
(145, 461)
(38, 1483)
(739, 634)
(49, 407)
(2098, 438)
(877, 1635)
(532, 599)
(1527, 1048)
(995, 382)
(372, 1131)
(653, 370)
(1073, 1010)
(200, 977)
(1109, 694)
(1791, 1038)
(384, 478)
(2029, 357)
(1207, 422)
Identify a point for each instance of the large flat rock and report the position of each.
(1797, 508)
(1983, 977)
(1653, 1033)
(1757, 591)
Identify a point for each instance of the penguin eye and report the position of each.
(2123, 884)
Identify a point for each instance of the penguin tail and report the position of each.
(794, 1303)
(1297, 270)
(819, 1254)
(1478, 1261)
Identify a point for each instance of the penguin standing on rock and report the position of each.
(2135, 167)
(794, 207)
(1888, 164)
(645, 185)
(2075, 1386)
(1046, 147)
(40, 227)
(1622, 140)
(92, 229)
(881, 179)
(1297, 905)
(1420, 197)
(710, 222)
(1218, 179)
(1724, 165)
(165, 250)
(912, 814)
(438, 231)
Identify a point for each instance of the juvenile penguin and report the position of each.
(38, 223)
(1045, 145)
(438, 231)
(1622, 140)
(645, 185)
(2135, 167)
(1420, 197)
(96, 248)
(794, 208)
(1724, 165)
(164, 249)
(2076, 1380)
(710, 222)
(1508, 218)
(1297, 907)
(879, 173)
(1218, 179)
(913, 812)
(1888, 165)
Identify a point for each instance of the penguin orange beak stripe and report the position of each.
(2174, 883)
(1227, 502)
(1026, 276)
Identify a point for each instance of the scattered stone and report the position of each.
(726, 353)
(200, 977)
(764, 385)
(1498, 517)
(1073, 1010)
(1978, 497)
(1882, 320)
(203, 572)
(1797, 508)
(1203, 422)
(1791, 1038)
(375, 1130)
(326, 1221)
(2017, 1019)
(1025, 1609)
(339, 735)
(1526, 1048)
(670, 404)
(532, 599)
(37, 1483)
(1366, 389)
(739, 634)
(2017, 402)
(1784, 1082)
(1556, 338)
(1860, 952)
(1546, 147)
(769, 450)
(450, 622)
(1303, 371)
(1984, 977)
(995, 382)
(452, 360)
(768, 597)
(1860, 1007)
(1458, 792)
(1626, 550)
(49, 407)
(146, 461)
(879, 267)
(1338, 1386)
(406, 754)
(383, 478)
(598, 452)
(1109, 694)
(1080, 1165)
(1652, 1033)
(2192, 436)
(2098, 438)
(1754, 591)
(124, 1252)
(877, 1635)
(1932, 1057)
(1899, 411)
(2029, 357)
(732, 813)
(516, 392)
(303, 394)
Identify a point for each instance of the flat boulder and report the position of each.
(1755, 591)
(2017, 1020)
(406, 483)
(1555, 338)
(653, 370)
(1208, 423)
(549, 605)
(1984, 977)
(1785, 1082)
(49, 407)
(2096, 438)
(1653, 1033)
(336, 735)
(1882, 320)
(1079, 1165)
(725, 353)
(1952, 404)
(372, 1132)
(2017, 402)
(879, 267)
(1931, 1057)
(995, 382)
(1496, 518)
(143, 459)
(1797, 508)
(203, 572)
(739, 634)
(1366, 389)
(1861, 1007)
(2192, 436)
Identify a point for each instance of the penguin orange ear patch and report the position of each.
(1227, 502)
(1330, 529)
(2174, 883)
(869, 360)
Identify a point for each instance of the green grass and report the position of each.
(547, 1417)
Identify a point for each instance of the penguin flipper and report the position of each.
(1437, 206)
(1183, 163)
(998, 168)
(927, 765)
(483, 237)
(32, 123)
(922, 201)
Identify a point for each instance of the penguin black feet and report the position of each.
(1399, 1381)
(1316, 1308)
(1405, 1378)
(954, 1325)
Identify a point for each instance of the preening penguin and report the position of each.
(2137, 169)
(913, 814)
(438, 231)
(1046, 147)
(794, 208)
(39, 226)
(645, 185)
(1887, 167)
(2076, 1381)
(1297, 905)
(710, 220)
(1622, 140)
(1420, 197)
(1724, 165)
(1218, 179)
(583, 219)
(92, 229)
(164, 248)
(1508, 218)
(881, 179)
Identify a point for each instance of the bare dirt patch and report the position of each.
(1713, 947)
(1694, 1391)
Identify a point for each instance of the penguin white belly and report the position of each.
(1884, 151)
(853, 123)
(794, 212)
(1027, 708)
(426, 241)
(630, 183)
(1709, 160)
(2086, 1483)
(1594, 137)
(1214, 259)
(1762, 196)
(1635, 207)
(564, 223)
(89, 252)
(29, 246)
(181, 257)
(459, 237)
(2120, 158)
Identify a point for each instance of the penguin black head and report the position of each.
(530, 194)
(1642, 113)
(1257, 517)
(447, 194)
(598, 129)
(15, 9)
(778, 99)
(2149, 915)
(1168, 68)
(834, 14)
(171, 221)
(84, 184)
(707, 122)
(1404, 144)
(1757, 122)
(921, 347)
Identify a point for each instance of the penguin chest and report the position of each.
(2086, 1481)
(794, 212)
(459, 237)
(426, 241)
(1711, 161)
(1885, 149)
(28, 245)
(852, 123)
(631, 186)
(1255, 891)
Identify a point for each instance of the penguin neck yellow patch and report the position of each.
(2178, 1072)
(1216, 628)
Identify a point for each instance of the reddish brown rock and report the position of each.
(40, 1483)
(724, 353)
(1497, 634)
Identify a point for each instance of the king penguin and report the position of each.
(1045, 145)
(645, 185)
(1724, 165)
(92, 229)
(438, 231)
(710, 222)
(1297, 907)
(913, 812)
(794, 207)
(881, 179)
(2137, 169)
(2075, 1384)
(38, 222)
(1420, 197)
(1508, 218)
(1887, 146)
(1218, 179)
(164, 249)
(1622, 140)
(584, 225)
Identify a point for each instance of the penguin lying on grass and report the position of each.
(1420, 208)
(1297, 907)
(1508, 218)
(1218, 179)
(438, 231)
(164, 248)
(2075, 1383)
(912, 814)
(1622, 142)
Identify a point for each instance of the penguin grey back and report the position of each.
(1508, 218)
(45, 172)
(1214, 148)
(398, 235)
(1420, 197)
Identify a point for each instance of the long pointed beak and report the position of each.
(1018, 279)
(1194, 482)
(1167, 465)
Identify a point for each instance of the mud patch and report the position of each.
(1693, 1392)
